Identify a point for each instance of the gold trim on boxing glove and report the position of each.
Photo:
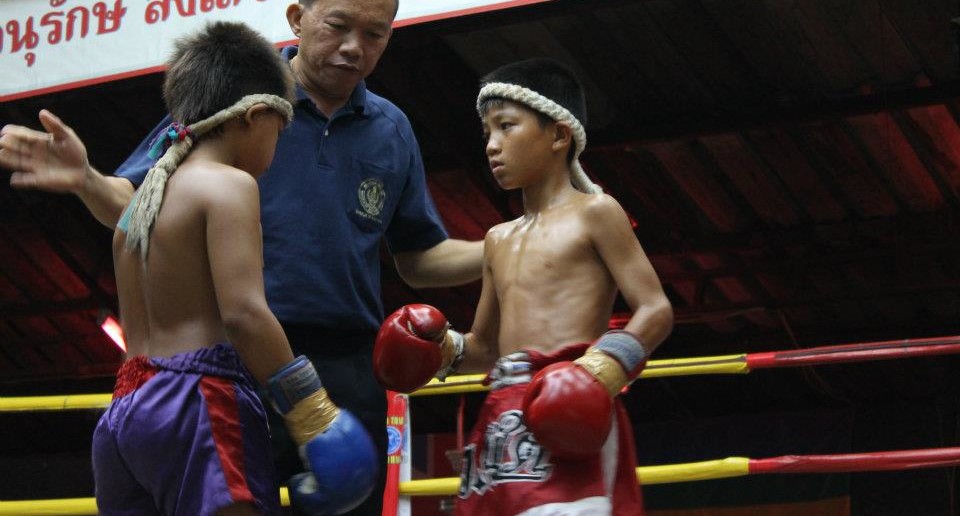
(311, 416)
(606, 369)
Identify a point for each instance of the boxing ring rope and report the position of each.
(743, 466)
(52, 403)
(746, 362)
(723, 364)
(648, 475)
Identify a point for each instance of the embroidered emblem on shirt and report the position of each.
(371, 194)
(511, 454)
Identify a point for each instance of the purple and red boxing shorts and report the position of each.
(184, 435)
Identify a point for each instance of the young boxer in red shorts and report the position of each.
(551, 438)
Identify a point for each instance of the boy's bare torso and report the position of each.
(553, 289)
(162, 314)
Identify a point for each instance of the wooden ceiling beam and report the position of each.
(932, 228)
(46, 309)
(717, 311)
(760, 117)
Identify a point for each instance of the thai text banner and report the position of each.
(52, 45)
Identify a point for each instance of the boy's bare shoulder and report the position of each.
(212, 171)
(215, 182)
(599, 208)
(501, 230)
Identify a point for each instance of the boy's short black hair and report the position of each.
(546, 76)
(215, 67)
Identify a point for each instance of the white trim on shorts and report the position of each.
(591, 506)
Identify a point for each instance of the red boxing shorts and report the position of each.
(506, 471)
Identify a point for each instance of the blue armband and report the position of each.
(292, 383)
(623, 346)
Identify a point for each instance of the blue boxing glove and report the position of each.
(339, 455)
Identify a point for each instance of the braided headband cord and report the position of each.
(148, 198)
(553, 110)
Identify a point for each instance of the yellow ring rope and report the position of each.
(647, 475)
(725, 364)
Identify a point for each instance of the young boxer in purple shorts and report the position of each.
(185, 433)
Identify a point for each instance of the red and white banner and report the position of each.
(51, 45)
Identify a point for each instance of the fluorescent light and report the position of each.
(112, 328)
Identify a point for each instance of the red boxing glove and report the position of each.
(414, 344)
(569, 405)
(568, 410)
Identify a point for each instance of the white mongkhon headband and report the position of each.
(553, 110)
(145, 205)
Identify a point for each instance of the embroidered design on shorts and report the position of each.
(511, 454)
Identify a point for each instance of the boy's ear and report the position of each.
(254, 111)
(562, 135)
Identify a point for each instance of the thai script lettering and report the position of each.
(510, 454)
(22, 36)
(160, 10)
(60, 25)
